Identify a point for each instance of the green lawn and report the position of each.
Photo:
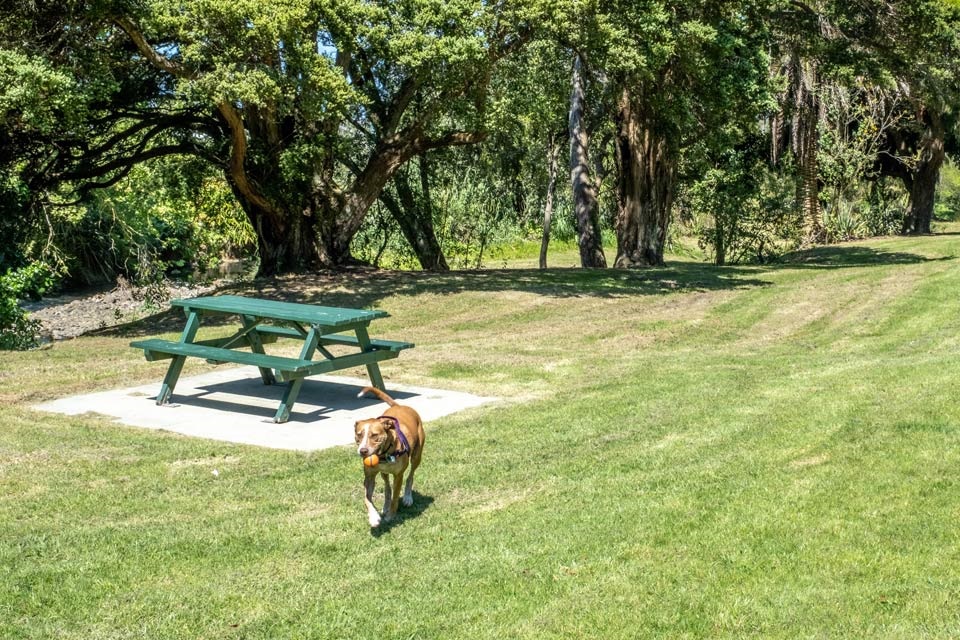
(685, 452)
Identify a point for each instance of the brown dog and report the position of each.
(396, 438)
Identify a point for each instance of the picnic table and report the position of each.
(266, 321)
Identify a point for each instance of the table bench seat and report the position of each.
(271, 331)
(287, 368)
(157, 349)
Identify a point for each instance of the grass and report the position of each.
(682, 452)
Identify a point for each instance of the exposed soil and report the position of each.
(69, 316)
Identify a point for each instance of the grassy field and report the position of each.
(685, 452)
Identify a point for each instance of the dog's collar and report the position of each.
(404, 444)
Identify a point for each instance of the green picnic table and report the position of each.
(263, 322)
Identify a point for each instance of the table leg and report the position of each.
(256, 346)
(286, 403)
(176, 365)
(293, 387)
(373, 369)
(170, 380)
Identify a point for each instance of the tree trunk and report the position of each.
(645, 187)
(720, 244)
(926, 175)
(808, 188)
(342, 212)
(553, 150)
(416, 223)
(286, 241)
(584, 188)
(808, 111)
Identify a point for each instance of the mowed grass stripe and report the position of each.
(669, 460)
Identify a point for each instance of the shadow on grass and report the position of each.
(420, 504)
(365, 288)
(844, 257)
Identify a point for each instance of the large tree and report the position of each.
(687, 77)
(310, 107)
(915, 45)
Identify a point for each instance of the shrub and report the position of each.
(164, 220)
(741, 211)
(842, 223)
(17, 330)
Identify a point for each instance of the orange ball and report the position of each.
(371, 461)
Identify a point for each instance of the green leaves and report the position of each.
(35, 98)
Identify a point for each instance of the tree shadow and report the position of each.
(420, 504)
(847, 256)
(366, 288)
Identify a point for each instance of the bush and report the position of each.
(17, 330)
(948, 193)
(885, 209)
(164, 220)
(842, 223)
(33, 281)
(741, 211)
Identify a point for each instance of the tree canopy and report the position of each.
(312, 110)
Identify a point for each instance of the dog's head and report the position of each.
(375, 435)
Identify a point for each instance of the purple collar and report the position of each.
(404, 444)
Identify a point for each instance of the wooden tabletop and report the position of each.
(293, 311)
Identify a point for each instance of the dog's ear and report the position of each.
(388, 423)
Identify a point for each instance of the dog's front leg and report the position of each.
(369, 482)
(408, 491)
(393, 496)
(387, 496)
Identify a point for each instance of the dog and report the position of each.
(396, 438)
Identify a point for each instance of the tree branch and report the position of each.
(451, 139)
(121, 167)
(238, 155)
(161, 62)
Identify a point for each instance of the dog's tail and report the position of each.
(378, 393)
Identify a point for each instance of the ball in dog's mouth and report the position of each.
(371, 461)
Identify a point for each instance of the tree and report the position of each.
(907, 50)
(688, 77)
(917, 45)
(309, 108)
(584, 186)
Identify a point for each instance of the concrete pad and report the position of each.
(234, 405)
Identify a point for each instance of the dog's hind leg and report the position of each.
(394, 500)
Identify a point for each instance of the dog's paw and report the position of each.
(374, 520)
(408, 500)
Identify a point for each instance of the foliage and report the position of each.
(380, 243)
(948, 206)
(166, 220)
(33, 281)
(742, 211)
(17, 330)
(311, 109)
(474, 214)
(877, 208)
